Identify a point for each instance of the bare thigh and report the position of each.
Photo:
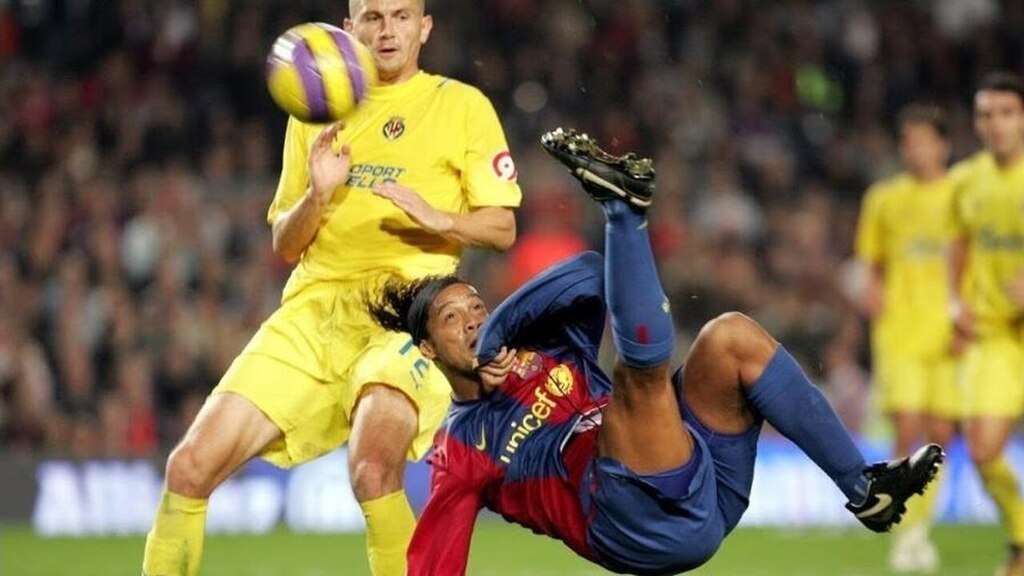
(987, 437)
(642, 427)
(228, 432)
(727, 358)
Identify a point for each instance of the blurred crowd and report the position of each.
(139, 151)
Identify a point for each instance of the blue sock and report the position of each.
(641, 320)
(795, 407)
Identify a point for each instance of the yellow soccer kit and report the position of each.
(307, 364)
(906, 228)
(989, 211)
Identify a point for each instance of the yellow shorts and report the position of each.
(993, 376)
(912, 385)
(307, 365)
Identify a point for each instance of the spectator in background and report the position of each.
(552, 217)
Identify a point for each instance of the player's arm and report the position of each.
(488, 178)
(492, 227)
(869, 247)
(294, 228)
(963, 318)
(440, 544)
(568, 296)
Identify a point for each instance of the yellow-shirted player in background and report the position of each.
(988, 294)
(418, 172)
(904, 238)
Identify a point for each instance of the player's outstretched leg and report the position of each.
(603, 175)
(736, 374)
(891, 483)
(642, 428)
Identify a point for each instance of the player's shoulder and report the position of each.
(453, 89)
(889, 185)
(970, 166)
(888, 191)
(462, 440)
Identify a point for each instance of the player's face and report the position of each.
(453, 327)
(923, 149)
(999, 121)
(394, 30)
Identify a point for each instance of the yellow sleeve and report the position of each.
(870, 241)
(958, 176)
(294, 175)
(489, 176)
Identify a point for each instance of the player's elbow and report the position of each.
(285, 252)
(505, 242)
(282, 247)
(505, 236)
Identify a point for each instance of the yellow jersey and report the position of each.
(989, 212)
(438, 136)
(906, 228)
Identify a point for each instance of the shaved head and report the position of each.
(355, 6)
(394, 31)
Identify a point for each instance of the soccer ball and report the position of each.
(319, 73)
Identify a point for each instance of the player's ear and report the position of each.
(427, 349)
(425, 28)
(346, 25)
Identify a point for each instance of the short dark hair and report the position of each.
(925, 113)
(404, 305)
(1002, 82)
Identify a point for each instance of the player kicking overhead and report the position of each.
(646, 471)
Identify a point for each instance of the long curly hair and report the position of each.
(402, 305)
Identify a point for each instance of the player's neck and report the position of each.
(464, 388)
(1010, 159)
(399, 78)
(929, 174)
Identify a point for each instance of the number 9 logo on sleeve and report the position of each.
(504, 166)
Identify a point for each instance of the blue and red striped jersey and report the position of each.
(521, 450)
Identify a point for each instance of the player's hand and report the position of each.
(1015, 291)
(328, 170)
(963, 325)
(494, 373)
(410, 202)
(873, 302)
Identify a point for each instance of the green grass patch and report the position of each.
(499, 550)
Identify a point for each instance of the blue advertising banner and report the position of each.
(117, 497)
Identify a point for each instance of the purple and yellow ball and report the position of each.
(319, 73)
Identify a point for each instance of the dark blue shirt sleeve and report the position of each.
(561, 307)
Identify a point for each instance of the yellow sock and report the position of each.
(175, 544)
(389, 526)
(920, 509)
(1001, 483)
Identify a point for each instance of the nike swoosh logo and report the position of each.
(481, 445)
(884, 500)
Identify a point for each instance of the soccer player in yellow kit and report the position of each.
(418, 172)
(904, 237)
(988, 294)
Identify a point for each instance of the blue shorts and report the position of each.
(635, 528)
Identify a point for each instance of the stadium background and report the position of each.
(139, 150)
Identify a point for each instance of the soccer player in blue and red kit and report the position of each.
(644, 472)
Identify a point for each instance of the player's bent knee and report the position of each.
(731, 332)
(374, 478)
(983, 452)
(190, 474)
